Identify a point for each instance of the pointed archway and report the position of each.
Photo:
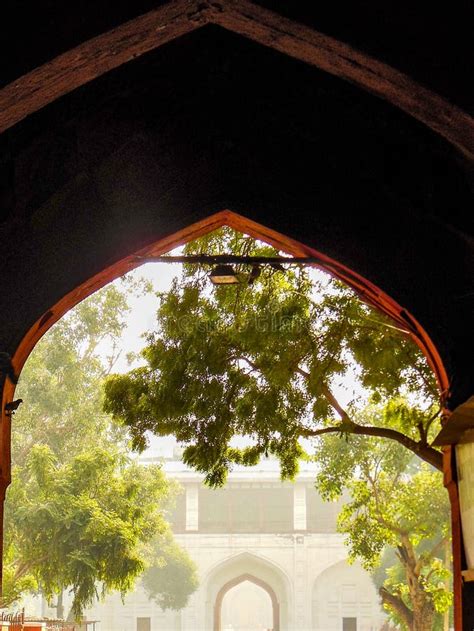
(367, 291)
(237, 581)
(257, 569)
(147, 32)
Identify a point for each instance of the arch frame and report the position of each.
(326, 574)
(108, 51)
(217, 626)
(258, 560)
(245, 562)
(367, 291)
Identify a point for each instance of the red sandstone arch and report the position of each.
(366, 290)
(90, 60)
(369, 292)
(236, 581)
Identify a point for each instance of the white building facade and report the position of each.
(268, 557)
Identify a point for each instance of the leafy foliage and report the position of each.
(60, 382)
(171, 575)
(263, 360)
(80, 524)
(395, 504)
(80, 514)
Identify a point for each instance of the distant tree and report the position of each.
(263, 360)
(79, 514)
(395, 504)
(61, 381)
(171, 575)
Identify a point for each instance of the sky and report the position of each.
(143, 308)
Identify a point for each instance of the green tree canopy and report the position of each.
(81, 525)
(61, 381)
(80, 515)
(399, 504)
(263, 360)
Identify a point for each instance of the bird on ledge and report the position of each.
(12, 406)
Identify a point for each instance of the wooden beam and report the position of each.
(308, 45)
(230, 259)
(93, 58)
(450, 483)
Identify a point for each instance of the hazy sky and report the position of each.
(143, 308)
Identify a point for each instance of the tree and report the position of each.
(395, 504)
(263, 360)
(61, 381)
(81, 525)
(80, 514)
(171, 575)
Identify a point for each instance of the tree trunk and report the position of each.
(396, 604)
(423, 617)
(422, 606)
(423, 610)
(60, 606)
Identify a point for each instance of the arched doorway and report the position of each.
(83, 64)
(225, 589)
(259, 571)
(363, 287)
(343, 593)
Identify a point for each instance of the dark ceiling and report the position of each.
(432, 44)
(213, 121)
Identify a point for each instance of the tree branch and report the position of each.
(335, 403)
(249, 362)
(422, 432)
(387, 524)
(435, 549)
(430, 421)
(329, 396)
(408, 554)
(348, 426)
(421, 449)
(380, 517)
(396, 603)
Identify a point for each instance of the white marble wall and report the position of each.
(308, 572)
